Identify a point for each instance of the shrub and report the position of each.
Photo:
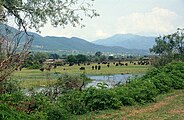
(91, 99)
(73, 102)
(162, 82)
(124, 96)
(9, 113)
(57, 113)
(100, 99)
(10, 85)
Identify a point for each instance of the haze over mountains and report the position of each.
(129, 41)
(118, 44)
(51, 43)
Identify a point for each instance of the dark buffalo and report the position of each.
(42, 69)
(96, 67)
(82, 68)
(99, 67)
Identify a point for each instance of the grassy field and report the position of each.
(30, 78)
(169, 106)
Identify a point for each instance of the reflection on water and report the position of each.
(111, 80)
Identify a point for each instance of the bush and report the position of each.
(57, 113)
(10, 113)
(91, 99)
(137, 92)
(162, 82)
(101, 99)
(73, 102)
(10, 86)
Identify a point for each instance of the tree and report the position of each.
(71, 59)
(111, 58)
(102, 58)
(170, 47)
(35, 60)
(98, 54)
(81, 58)
(170, 44)
(53, 56)
(33, 14)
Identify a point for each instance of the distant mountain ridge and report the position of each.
(50, 43)
(129, 41)
(60, 44)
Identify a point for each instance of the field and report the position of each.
(169, 106)
(31, 78)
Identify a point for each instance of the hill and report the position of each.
(129, 41)
(51, 43)
(73, 45)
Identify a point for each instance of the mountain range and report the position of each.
(51, 43)
(122, 44)
(129, 41)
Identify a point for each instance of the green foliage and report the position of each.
(36, 13)
(10, 85)
(71, 59)
(98, 54)
(170, 75)
(77, 58)
(169, 47)
(100, 99)
(138, 91)
(102, 85)
(73, 102)
(170, 44)
(68, 82)
(155, 82)
(111, 58)
(81, 58)
(90, 100)
(35, 60)
(54, 56)
(57, 113)
(10, 113)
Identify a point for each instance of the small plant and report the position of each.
(102, 85)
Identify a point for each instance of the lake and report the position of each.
(111, 80)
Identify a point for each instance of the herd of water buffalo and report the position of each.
(97, 66)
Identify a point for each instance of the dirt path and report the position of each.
(154, 107)
(128, 112)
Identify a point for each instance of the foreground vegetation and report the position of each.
(74, 102)
(168, 106)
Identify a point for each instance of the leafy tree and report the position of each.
(169, 47)
(98, 54)
(35, 60)
(35, 13)
(102, 58)
(111, 58)
(54, 56)
(71, 59)
(170, 44)
(81, 58)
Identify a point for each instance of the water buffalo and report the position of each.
(82, 68)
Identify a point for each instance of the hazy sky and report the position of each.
(142, 17)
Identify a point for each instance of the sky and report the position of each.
(141, 17)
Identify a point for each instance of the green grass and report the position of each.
(168, 106)
(30, 78)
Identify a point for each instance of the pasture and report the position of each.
(35, 77)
